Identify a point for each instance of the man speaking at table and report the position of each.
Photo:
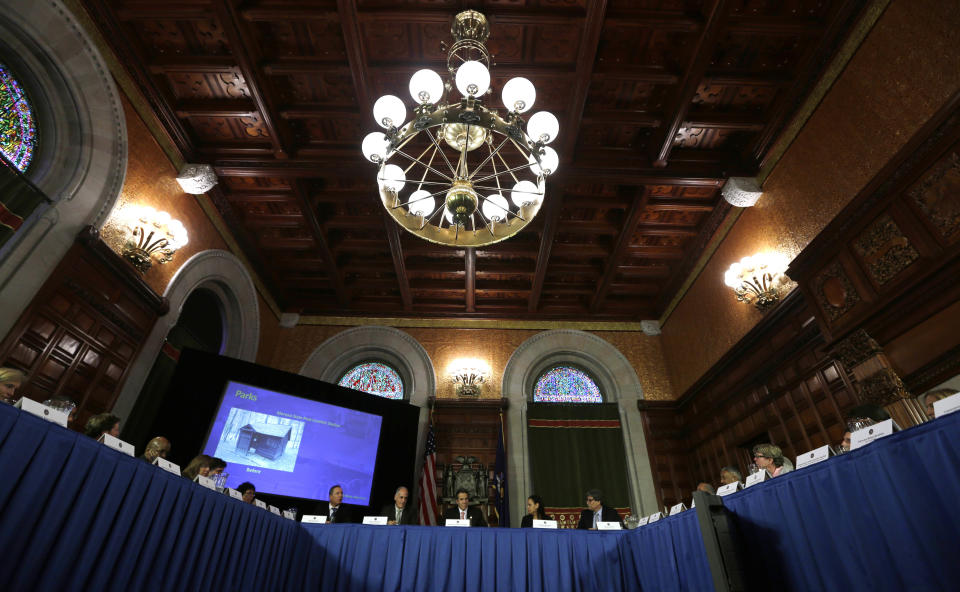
(462, 512)
(399, 512)
(597, 512)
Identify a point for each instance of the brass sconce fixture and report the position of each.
(149, 236)
(468, 375)
(759, 279)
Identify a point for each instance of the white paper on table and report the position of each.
(457, 522)
(947, 405)
(866, 435)
(728, 488)
(375, 520)
(116, 444)
(167, 466)
(545, 524)
(602, 525)
(758, 477)
(813, 457)
(313, 519)
(42, 411)
(676, 509)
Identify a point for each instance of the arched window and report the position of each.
(375, 378)
(18, 132)
(566, 384)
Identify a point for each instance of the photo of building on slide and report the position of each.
(260, 440)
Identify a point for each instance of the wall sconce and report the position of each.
(759, 279)
(149, 236)
(467, 375)
(742, 192)
(197, 178)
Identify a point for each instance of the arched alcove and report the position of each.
(224, 276)
(81, 159)
(618, 382)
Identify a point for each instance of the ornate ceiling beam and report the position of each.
(551, 219)
(244, 49)
(470, 273)
(399, 264)
(700, 58)
(623, 241)
(326, 253)
(215, 108)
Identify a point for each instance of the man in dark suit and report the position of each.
(462, 510)
(399, 512)
(597, 512)
(335, 511)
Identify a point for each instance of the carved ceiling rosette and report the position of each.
(937, 194)
(834, 291)
(885, 249)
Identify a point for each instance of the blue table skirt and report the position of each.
(883, 517)
(667, 555)
(76, 515)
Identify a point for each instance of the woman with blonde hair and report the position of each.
(770, 459)
(928, 399)
(10, 381)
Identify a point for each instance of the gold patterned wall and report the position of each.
(902, 73)
(495, 346)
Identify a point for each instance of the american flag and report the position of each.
(428, 481)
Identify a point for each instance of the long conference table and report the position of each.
(76, 515)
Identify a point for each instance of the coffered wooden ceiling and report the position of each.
(659, 102)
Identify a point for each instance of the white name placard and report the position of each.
(40, 410)
(275, 510)
(602, 525)
(693, 504)
(205, 482)
(545, 524)
(813, 457)
(755, 478)
(655, 516)
(677, 509)
(260, 504)
(644, 521)
(945, 406)
(866, 435)
(456, 522)
(728, 488)
(167, 466)
(313, 519)
(116, 444)
(235, 494)
(375, 520)
(290, 515)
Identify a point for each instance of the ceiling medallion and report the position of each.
(446, 174)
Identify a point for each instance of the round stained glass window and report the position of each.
(566, 384)
(18, 132)
(375, 378)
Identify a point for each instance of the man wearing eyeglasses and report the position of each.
(597, 512)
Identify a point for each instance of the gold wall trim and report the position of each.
(470, 323)
(789, 134)
(149, 118)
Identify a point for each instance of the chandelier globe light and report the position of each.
(458, 171)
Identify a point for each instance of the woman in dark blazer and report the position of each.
(534, 511)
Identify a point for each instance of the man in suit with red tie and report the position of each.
(462, 511)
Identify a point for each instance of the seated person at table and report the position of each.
(770, 458)
(597, 512)
(334, 510)
(844, 442)
(930, 398)
(247, 491)
(104, 423)
(730, 475)
(200, 465)
(10, 381)
(158, 447)
(535, 511)
(217, 465)
(462, 511)
(399, 512)
(706, 487)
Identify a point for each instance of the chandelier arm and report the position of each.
(429, 164)
(425, 165)
(442, 153)
(487, 159)
(517, 168)
(463, 153)
(426, 219)
(500, 156)
(486, 223)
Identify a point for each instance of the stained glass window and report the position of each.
(18, 133)
(375, 378)
(566, 384)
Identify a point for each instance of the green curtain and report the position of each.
(574, 448)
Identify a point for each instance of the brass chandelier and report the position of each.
(446, 174)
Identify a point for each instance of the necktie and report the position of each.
(463, 514)
(333, 514)
(596, 518)
(399, 511)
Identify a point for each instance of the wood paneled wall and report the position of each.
(83, 329)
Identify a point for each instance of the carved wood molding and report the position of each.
(471, 404)
(89, 237)
(883, 388)
(855, 349)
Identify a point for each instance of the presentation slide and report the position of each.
(292, 446)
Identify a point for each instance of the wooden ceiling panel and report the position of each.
(659, 100)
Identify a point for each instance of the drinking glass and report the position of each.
(220, 481)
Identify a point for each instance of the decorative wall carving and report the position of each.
(937, 195)
(856, 349)
(834, 291)
(883, 387)
(885, 249)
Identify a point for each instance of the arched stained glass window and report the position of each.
(18, 132)
(375, 378)
(566, 384)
